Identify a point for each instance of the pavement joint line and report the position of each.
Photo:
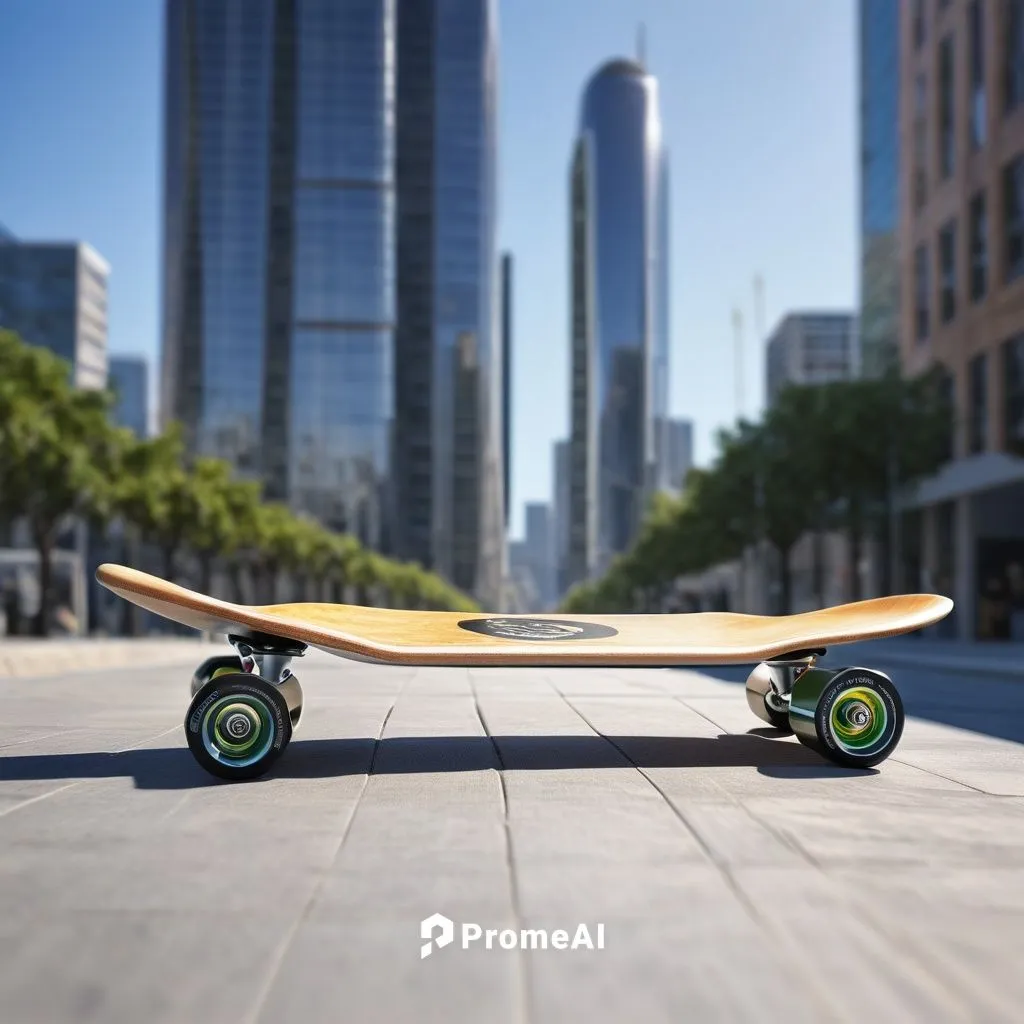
(713, 859)
(525, 988)
(278, 956)
(42, 796)
(35, 739)
(742, 897)
(869, 921)
(947, 778)
(733, 884)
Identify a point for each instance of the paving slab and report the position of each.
(736, 875)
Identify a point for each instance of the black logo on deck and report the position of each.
(538, 629)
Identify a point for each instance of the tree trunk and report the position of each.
(235, 573)
(205, 571)
(129, 612)
(855, 551)
(169, 551)
(819, 568)
(44, 546)
(785, 582)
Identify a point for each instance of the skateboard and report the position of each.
(245, 706)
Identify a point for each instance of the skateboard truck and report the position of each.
(266, 656)
(771, 683)
(784, 670)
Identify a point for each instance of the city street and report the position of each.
(737, 876)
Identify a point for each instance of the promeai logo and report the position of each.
(445, 928)
(580, 937)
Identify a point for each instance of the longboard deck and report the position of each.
(459, 638)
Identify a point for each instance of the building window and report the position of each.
(976, 43)
(979, 248)
(977, 375)
(920, 141)
(947, 272)
(1013, 71)
(921, 287)
(919, 24)
(1013, 374)
(1013, 212)
(946, 134)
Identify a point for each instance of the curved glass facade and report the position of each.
(620, 310)
(279, 246)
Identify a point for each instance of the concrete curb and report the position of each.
(27, 659)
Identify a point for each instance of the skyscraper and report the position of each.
(448, 434)
(560, 514)
(676, 456)
(506, 378)
(128, 378)
(619, 300)
(54, 294)
(279, 247)
(879, 69)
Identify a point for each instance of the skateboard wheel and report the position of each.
(852, 716)
(218, 665)
(291, 691)
(764, 701)
(237, 726)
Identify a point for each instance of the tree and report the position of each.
(58, 452)
(155, 494)
(210, 530)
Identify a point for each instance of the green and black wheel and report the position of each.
(218, 665)
(237, 725)
(764, 701)
(853, 716)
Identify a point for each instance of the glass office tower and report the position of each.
(448, 458)
(879, 184)
(279, 247)
(619, 240)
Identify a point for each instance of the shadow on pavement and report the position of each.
(174, 768)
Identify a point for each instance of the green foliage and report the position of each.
(61, 458)
(823, 456)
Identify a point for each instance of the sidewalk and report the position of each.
(29, 657)
(987, 657)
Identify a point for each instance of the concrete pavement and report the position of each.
(737, 876)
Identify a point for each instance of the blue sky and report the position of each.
(758, 106)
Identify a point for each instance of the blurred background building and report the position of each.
(560, 498)
(810, 348)
(448, 471)
(279, 247)
(54, 294)
(619, 312)
(879, 180)
(318, 156)
(962, 298)
(675, 459)
(128, 377)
